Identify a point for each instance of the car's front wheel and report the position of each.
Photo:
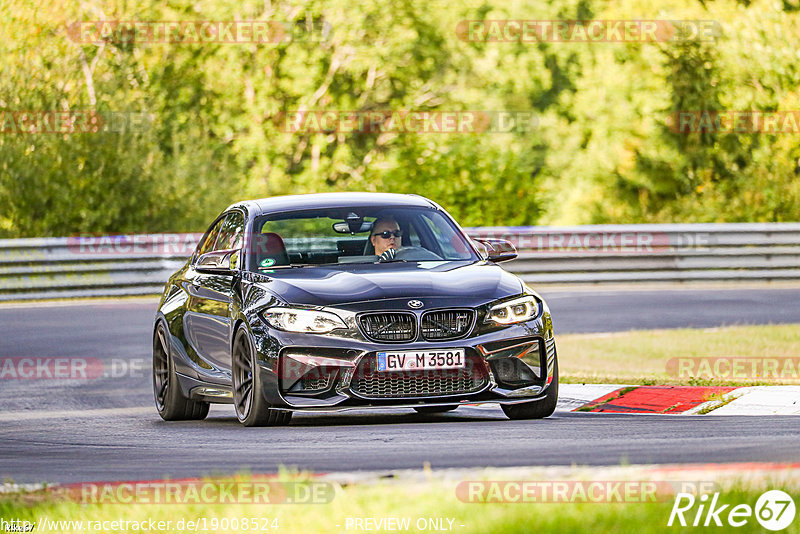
(538, 409)
(170, 402)
(248, 400)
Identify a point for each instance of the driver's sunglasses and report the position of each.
(387, 234)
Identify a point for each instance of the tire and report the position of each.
(435, 409)
(248, 400)
(537, 409)
(170, 402)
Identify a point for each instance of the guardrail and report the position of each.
(67, 267)
(596, 254)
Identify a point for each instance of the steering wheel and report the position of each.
(409, 254)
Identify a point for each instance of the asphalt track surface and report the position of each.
(107, 429)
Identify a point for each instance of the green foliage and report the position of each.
(723, 176)
(603, 150)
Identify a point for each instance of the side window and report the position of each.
(231, 233)
(211, 237)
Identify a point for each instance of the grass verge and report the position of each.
(717, 400)
(432, 506)
(643, 356)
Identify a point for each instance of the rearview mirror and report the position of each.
(218, 262)
(350, 228)
(498, 250)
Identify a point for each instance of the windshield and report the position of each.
(356, 235)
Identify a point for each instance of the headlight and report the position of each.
(300, 320)
(514, 311)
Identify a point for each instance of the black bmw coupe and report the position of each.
(349, 301)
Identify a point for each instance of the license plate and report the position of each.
(421, 360)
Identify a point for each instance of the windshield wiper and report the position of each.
(275, 267)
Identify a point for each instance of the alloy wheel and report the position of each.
(160, 369)
(242, 377)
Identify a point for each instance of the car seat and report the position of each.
(270, 251)
(369, 248)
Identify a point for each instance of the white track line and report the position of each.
(75, 414)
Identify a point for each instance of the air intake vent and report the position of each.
(370, 383)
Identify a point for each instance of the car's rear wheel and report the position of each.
(170, 402)
(538, 409)
(248, 400)
(435, 409)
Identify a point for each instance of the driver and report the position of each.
(386, 237)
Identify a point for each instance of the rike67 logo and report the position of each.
(774, 510)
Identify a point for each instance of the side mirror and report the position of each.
(218, 262)
(498, 249)
(483, 252)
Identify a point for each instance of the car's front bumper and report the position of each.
(509, 365)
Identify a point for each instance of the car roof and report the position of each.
(331, 200)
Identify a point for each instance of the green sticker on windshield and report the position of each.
(267, 262)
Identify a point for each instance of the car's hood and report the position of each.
(342, 284)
